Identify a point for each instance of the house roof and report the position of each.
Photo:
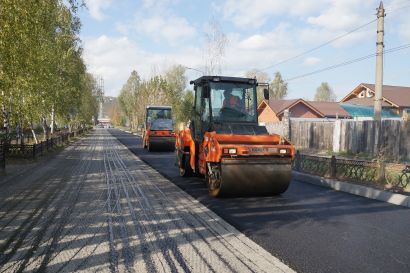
(398, 96)
(367, 111)
(323, 109)
(366, 102)
(330, 109)
(279, 106)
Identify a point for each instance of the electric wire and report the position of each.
(392, 9)
(319, 46)
(388, 10)
(394, 49)
(195, 69)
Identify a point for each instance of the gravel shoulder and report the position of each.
(96, 207)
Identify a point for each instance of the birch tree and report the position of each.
(215, 44)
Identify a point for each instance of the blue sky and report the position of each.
(148, 36)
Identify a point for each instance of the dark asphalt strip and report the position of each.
(310, 228)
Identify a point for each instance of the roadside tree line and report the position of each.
(43, 78)
(167, 88)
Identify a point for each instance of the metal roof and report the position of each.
(221, 79)
(324, 109)
(159, 107)
(397, 96)
(367, 111)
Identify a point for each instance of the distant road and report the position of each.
(96, 207)
(311, 228)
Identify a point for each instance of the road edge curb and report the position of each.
(368, 192)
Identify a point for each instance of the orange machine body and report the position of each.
(215, 147)
(225, 143)
(159, 129)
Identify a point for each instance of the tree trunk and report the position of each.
(5, 122)
(52, 119)
(44, 125)
(33, 133)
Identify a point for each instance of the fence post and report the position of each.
(333, 167)
(34, 151)
(286, 124)
(336, 135)
(382, 172)
(297, 161)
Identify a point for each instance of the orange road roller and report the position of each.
(158, 132)
(224, 142)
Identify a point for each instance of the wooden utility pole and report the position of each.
(379, 63)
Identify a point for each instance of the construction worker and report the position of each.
(231, 101)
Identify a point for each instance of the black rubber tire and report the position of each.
(214, 192)
(185, 171)
(149, 147)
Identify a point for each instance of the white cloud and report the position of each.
(158, 4)
(342, 15)
(403, 27)
(313, 36)
(310, 61)
(115, 58)
(278, 37)
(323, 19)
(245, 13)
(172, 29)
(404, 32)
(258, 51)
(95, 8)
(255, 42)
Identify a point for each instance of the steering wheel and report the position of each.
(227, 111)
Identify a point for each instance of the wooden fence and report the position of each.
(315, 135)
(349, 136)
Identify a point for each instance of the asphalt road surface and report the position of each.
(310, 228)
(96, 207)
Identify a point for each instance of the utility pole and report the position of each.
(100, 96)
(379, 63)
(379, 80)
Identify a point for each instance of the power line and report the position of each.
(392, 9)
(319, 46)
(394, 49)
(195, 69)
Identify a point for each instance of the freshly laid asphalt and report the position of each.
(310, 228)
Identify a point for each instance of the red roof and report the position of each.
(279, 106)
(324, 109)
(330, 109)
